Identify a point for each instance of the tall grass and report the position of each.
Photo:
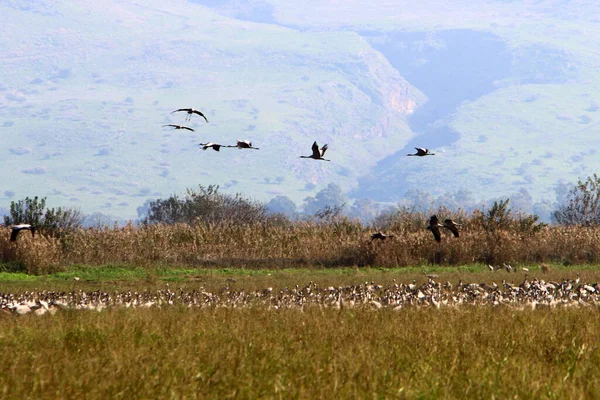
(485, 238)
(35, 255)
(319, 353)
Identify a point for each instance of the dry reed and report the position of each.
(295, 244)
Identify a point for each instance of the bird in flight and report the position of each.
(434, 227)
(422, 152)
(18, 228)
(190, 112)
(317, 153)
(212, 145)
(244, 144)
(380, 236)
(179, 127)
(452, 226)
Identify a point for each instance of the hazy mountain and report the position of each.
(503, 92)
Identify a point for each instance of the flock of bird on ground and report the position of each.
(530, 294)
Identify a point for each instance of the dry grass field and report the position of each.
(310, 352)
(318, 353)
(306, 352)
(492, 238)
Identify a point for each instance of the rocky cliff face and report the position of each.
(397, 93)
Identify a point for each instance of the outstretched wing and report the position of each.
(452, 227)
(188, 128)
(380, 236)
(323, 150)
(433, 220)
(436, 232)
(315, 150)
(181, 109)
(200, 114)
(421, 151)
(18, 228)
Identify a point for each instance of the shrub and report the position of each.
(581, 206)
(206, 205)
(36, 256)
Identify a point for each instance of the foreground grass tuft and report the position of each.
(258, 353)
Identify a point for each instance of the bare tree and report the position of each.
(581, 206)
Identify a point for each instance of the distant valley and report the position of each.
(505, 95)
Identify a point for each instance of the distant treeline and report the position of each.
(205, 228)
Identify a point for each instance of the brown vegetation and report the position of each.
(471, 352)
(491, 237)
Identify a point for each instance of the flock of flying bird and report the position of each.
(317, 154)
(241, 144)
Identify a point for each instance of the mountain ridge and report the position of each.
(87, 86)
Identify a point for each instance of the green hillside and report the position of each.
(536, 126)
(86, 89)
(86, 86)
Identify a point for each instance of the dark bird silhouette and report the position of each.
(380, 236)
(434, 227)
(244, 144)
(190, 112)
(214, 146)
(179, 127)
(422, 152)
(18, 228)
(317, 153)
(452, 226)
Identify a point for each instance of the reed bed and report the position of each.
(295, 244)
(471, 352)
